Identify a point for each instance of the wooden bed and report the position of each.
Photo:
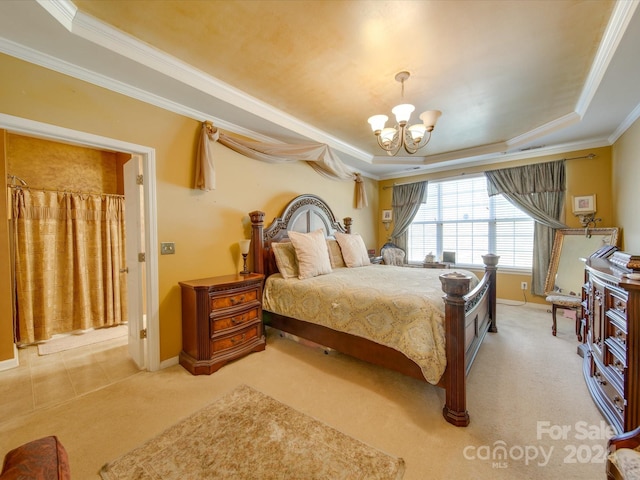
(468, 314)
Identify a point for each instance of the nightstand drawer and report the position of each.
(233, 298)
(236, 340)
(234, 319)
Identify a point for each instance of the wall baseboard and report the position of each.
(170, 362)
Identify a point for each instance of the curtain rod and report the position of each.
(589, 156)
(13, 178)
(26, 187)
(397, 185)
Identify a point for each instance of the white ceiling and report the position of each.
(512, 78)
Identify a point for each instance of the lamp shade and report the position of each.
(417, 132)
(403, 112)
(387, 135)
(244, 246)
(377, 122)
(430, 118)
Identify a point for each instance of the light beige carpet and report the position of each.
(249, 435)
(71, 341)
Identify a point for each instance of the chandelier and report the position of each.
(411, 137)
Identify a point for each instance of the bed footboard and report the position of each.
(468, 317)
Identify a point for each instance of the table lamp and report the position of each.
(244, 249)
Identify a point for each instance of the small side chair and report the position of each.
(566, 302)
(392, 254)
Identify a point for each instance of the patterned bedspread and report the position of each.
(399, 307)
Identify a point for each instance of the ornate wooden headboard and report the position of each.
(305, 214)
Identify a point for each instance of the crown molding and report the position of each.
(620, 18)
(106, 36)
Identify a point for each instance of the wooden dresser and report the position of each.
(221, 321)
(611, 306)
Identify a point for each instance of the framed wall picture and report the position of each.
(584, 204)
(387, 215)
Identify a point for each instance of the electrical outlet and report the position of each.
(524, 285)
(167, 248)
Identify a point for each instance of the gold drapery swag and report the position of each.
(69, 262)
(317, 155)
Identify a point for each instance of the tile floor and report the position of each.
(44, 381)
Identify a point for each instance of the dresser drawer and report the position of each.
(234, 298)
(236, 340)
(615, 359)
(234, 319)
(617, 302)
(610, 393)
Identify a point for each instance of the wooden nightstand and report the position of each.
(221, 321)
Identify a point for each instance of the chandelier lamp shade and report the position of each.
(410, 137)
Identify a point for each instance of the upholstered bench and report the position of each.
(42, 459)
(623, 462)
(565, 302)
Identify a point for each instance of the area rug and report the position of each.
(249, 435)
(71, 341)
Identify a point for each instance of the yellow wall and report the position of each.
(626, 187)
(204, 225)
(56, 166)
(6, 318)
(584, 177)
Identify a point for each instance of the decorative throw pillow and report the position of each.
(286, 260)
(353, 249)
(335, 254)
(312, 253)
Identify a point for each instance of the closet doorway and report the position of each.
(139, 186)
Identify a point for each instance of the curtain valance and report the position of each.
(317, 155)
(535, 178)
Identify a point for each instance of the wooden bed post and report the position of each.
(491, 267)
(257, 241)
(347, 224)
(455, 285)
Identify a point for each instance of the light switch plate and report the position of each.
(167, 248)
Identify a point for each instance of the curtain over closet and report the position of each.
(68, 262)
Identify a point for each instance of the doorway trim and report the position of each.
(52, 132)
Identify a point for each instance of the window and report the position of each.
(459, 216)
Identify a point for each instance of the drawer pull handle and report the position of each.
(236, 340)
(598, 376)
(237, 320)
(237, 300)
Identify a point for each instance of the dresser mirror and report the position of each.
(571, 247)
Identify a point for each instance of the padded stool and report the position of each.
(566, 302)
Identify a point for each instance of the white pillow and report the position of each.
(286, 260)
(353, 249)
(312, 253)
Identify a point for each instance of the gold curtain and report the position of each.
(69, 253)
